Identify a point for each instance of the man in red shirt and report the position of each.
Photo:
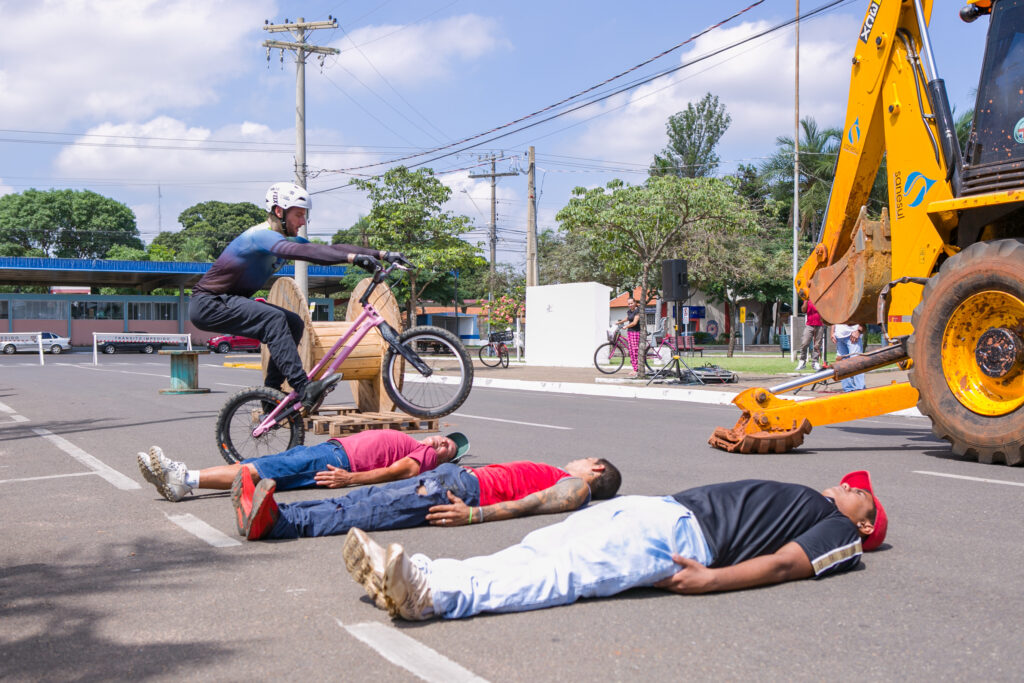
(812, 338)
(450, 495)
(369, 457)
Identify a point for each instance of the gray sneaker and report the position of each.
(406, 588)
(365, 560)
(147, 472)
(800, 365)
(817, 366)
(171, 473)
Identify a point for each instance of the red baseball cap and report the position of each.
(861, 479)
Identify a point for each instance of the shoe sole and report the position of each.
(148, 474)
(236, 502)
(360, 566)
(155, 454)
(265, 489)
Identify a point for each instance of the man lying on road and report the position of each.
(712, 538)
(369, 457)
(450, 495)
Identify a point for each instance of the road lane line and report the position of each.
(961, 476)
(18, 418)
(51, 476)
(103, 470)
(410, 654)
(225, 384)
(4, 408)
(515, 422)
(203, 531)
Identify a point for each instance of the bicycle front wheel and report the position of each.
(609, 358)
(445, 389)
(242, 413)
(489, 355)
(503, 355)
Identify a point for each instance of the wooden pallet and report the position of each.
(345, 420)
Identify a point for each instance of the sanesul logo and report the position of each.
(853, 135)
(917, 187)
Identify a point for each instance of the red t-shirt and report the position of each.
(514, 480)
(813, 317)
(375, 448)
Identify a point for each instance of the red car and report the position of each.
(230, 342)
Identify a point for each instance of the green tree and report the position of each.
(407, 216)
(119, 252)
(66, 223)
(818, 151)
(693, 135)
(214, 224)
(632, 228)
(567, 257)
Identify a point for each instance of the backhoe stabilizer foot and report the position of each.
(738, 440)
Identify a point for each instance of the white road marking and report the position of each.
(51, 476)
(103, 470)
(515, 422)
(960, 476)
(123, 372)
(225, 384)
(4, 408)
(203, 531)
(18, 418)
(410, 654)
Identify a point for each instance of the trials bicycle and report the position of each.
(259, 420)
(495, 352)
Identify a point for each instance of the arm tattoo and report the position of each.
(567, 494)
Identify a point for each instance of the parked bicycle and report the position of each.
(495, 352)
(260, 420)
(612, 355)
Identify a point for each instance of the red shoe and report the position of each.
(242, 490)
(264, 510)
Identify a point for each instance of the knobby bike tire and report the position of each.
(442, 392)
(489, 356)
(609, 358)
(242, 413)
(503, 355)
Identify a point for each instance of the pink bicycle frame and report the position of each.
(367, 320)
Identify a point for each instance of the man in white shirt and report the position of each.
(849, 342)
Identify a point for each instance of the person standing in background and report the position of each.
(812, 338)
(849, 341)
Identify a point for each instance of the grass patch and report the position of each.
(764, 365)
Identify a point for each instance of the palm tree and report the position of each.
(818, 152)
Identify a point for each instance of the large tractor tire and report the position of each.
(968, 352)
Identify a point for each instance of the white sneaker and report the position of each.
(366, 560)
(147, 472)
(171, 473)
(817, 366)
(406, 588)
(800, 365)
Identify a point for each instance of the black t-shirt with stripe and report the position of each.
(745, 519)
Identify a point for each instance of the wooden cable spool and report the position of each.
(363, 366)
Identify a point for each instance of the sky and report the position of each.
(161, 104)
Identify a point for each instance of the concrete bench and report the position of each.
(184, 372)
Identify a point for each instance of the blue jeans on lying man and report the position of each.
(394, 505)
(296, 468)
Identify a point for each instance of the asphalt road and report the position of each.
(102, 579)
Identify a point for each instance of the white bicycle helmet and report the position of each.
(287, 195)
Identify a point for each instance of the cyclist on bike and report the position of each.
(221, 299)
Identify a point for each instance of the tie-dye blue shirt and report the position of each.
(246, 264)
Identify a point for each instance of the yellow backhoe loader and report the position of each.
(943, 268)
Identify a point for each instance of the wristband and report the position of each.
(470, 516)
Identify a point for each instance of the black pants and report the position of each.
(279, 329)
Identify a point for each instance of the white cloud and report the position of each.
(755, 82)
(85, 60)
(411, 55)
(5, 189)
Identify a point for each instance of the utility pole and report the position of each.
(532, 272)
(493, 233)
(796, 191)
(301, 48)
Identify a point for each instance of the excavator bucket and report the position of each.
(738, 440)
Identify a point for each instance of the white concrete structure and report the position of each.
(565, 323)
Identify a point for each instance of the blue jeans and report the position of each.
(295, 468)
(845, 347)
(394, 505)
(599, 551)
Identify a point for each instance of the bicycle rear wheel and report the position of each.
(444, 390)
(609, 358)
(489, 355)
(242, 413)
(503, 355)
